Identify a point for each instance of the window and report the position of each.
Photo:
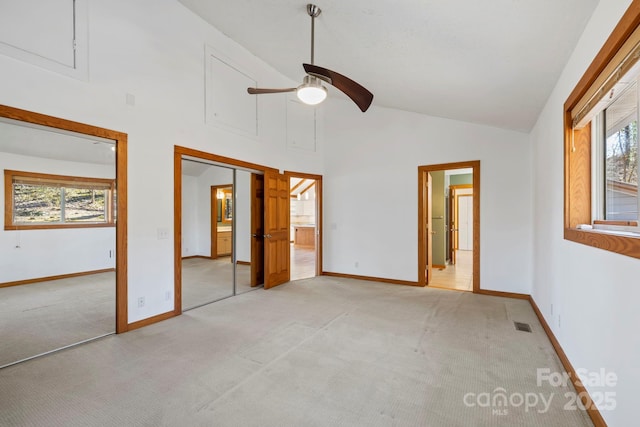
(616, 160)
(602, 202)
(34, 200)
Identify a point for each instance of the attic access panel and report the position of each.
(63, 50)
(226, 86)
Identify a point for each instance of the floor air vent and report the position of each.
(522, 326)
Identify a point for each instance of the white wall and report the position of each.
(155, 50)
(594, 293)
(371, 195)
(196, 211)
(29, 254)
(214, 175)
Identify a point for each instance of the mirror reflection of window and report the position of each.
(64, 181)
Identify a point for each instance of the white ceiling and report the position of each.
(492, 62)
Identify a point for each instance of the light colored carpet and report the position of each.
(41, 317)
(318, 352)
(206, 280)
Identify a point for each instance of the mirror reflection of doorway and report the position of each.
(304, 226)
(217, 232)
(58, 268)
(447, 246)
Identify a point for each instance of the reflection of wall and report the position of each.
(196, 211)
(44, 253)
(466, 178)
(438, 218)
(189, 215)
(212, 176)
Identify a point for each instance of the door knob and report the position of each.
(268, 236)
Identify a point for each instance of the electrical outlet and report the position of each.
(163, 233)
(140, 302)
(167, 295)
(357, 264)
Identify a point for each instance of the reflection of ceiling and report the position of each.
(47, 143)
(192, 168)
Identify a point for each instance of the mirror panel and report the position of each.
(207, 228)
(58, 243)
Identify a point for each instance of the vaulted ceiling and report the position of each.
(491, 62)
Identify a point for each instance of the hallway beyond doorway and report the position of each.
(303, 263)
(458, 277)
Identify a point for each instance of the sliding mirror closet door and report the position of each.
(208, 224)
(58, 243)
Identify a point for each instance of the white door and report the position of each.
(465, 223)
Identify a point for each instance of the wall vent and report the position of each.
(522, 326)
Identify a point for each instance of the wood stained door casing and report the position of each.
(422, 222)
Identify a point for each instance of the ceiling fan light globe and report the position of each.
(311, 95)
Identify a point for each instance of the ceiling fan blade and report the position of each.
(261, 91)
(358, 94)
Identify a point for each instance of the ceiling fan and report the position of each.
(311, 91)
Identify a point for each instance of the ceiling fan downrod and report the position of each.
(313, 11)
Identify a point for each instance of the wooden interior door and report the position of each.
(276, 228)
(257, 230)
(465, 222)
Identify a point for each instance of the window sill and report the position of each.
(55, 226)
(625, 243)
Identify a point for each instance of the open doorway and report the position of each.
(305, 191)
(449, 226)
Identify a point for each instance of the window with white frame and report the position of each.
(615, 177)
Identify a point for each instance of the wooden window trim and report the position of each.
(577, 151)
(61, 180)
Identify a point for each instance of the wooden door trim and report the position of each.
(214, 219)
(475, 165)
(120, 139)
(184, 151)
(319, 208)
(178, 152)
